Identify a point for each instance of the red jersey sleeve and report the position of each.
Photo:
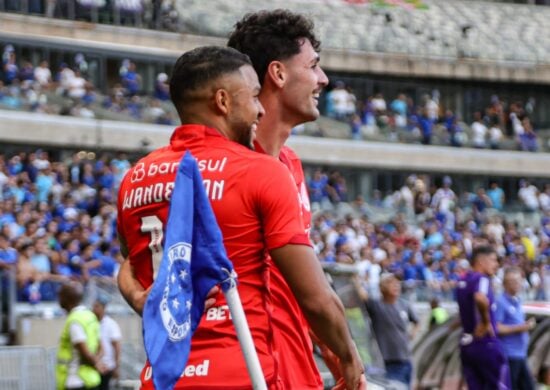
(279, 205)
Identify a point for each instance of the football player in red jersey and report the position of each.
(284, 51)
(216, 93)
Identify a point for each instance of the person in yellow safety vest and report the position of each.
(78, 358)
(438, 315)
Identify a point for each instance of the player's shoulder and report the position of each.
(251, 157)
(289, 153)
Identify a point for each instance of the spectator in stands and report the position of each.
(336, 188)
(162, 88)
(26, 74)
(516, 114)
(356, 125)
(338, 101)
(11, 70)
(513, 330)
(154, 112)
(479, 132)
(35, 282)
(8, 254)
(406, 196)
(426, 127)
(528, 139)
(44, 182)
(422, 197)
(544, 198)
(81, 64)
(431, 105)
(367, 115)
(528, 195)
(379, 108)
(538, 281)
(76, 86)
(131, 80)
(443, 202)
(63, 78)
(100, 262)
(111, 337)
(390, 319)
(317, 188)
(496, 195)
(399, 109)
(456, 136)
(495, 136)
(480, 202)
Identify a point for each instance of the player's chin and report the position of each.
(311, 114)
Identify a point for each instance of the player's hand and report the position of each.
(483, 330)
(341, 385)
(211, 298)
(353, 374)
(330, 359)
(530, 323)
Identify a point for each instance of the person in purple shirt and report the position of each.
(484, 363)
(513, 330)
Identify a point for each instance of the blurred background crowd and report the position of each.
(58, 222)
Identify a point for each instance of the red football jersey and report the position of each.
(298, 368)
(256, 205)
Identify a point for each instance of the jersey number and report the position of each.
(153, 226)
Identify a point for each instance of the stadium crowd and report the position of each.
(423, 121)
(155, 14)
(70, 91)
(58, 222)
(427, 243)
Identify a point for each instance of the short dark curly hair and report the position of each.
(267, 36)
(198, 67)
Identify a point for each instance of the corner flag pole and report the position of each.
(245, 337)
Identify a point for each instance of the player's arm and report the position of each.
(134, 293)
(483, 307)
(290, 250)
(130, 288)
(320, 305)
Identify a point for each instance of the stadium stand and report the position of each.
(69, 90)
(439, 29)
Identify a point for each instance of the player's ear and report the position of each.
(222, 100)
(276, 72)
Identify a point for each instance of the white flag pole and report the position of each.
(245, 337)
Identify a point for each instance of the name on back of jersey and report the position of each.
(146, 189)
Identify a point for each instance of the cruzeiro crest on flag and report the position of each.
(176, 302)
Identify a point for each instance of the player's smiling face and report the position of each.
(303, 86)
(246, 107)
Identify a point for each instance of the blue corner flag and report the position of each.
(194, 260)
